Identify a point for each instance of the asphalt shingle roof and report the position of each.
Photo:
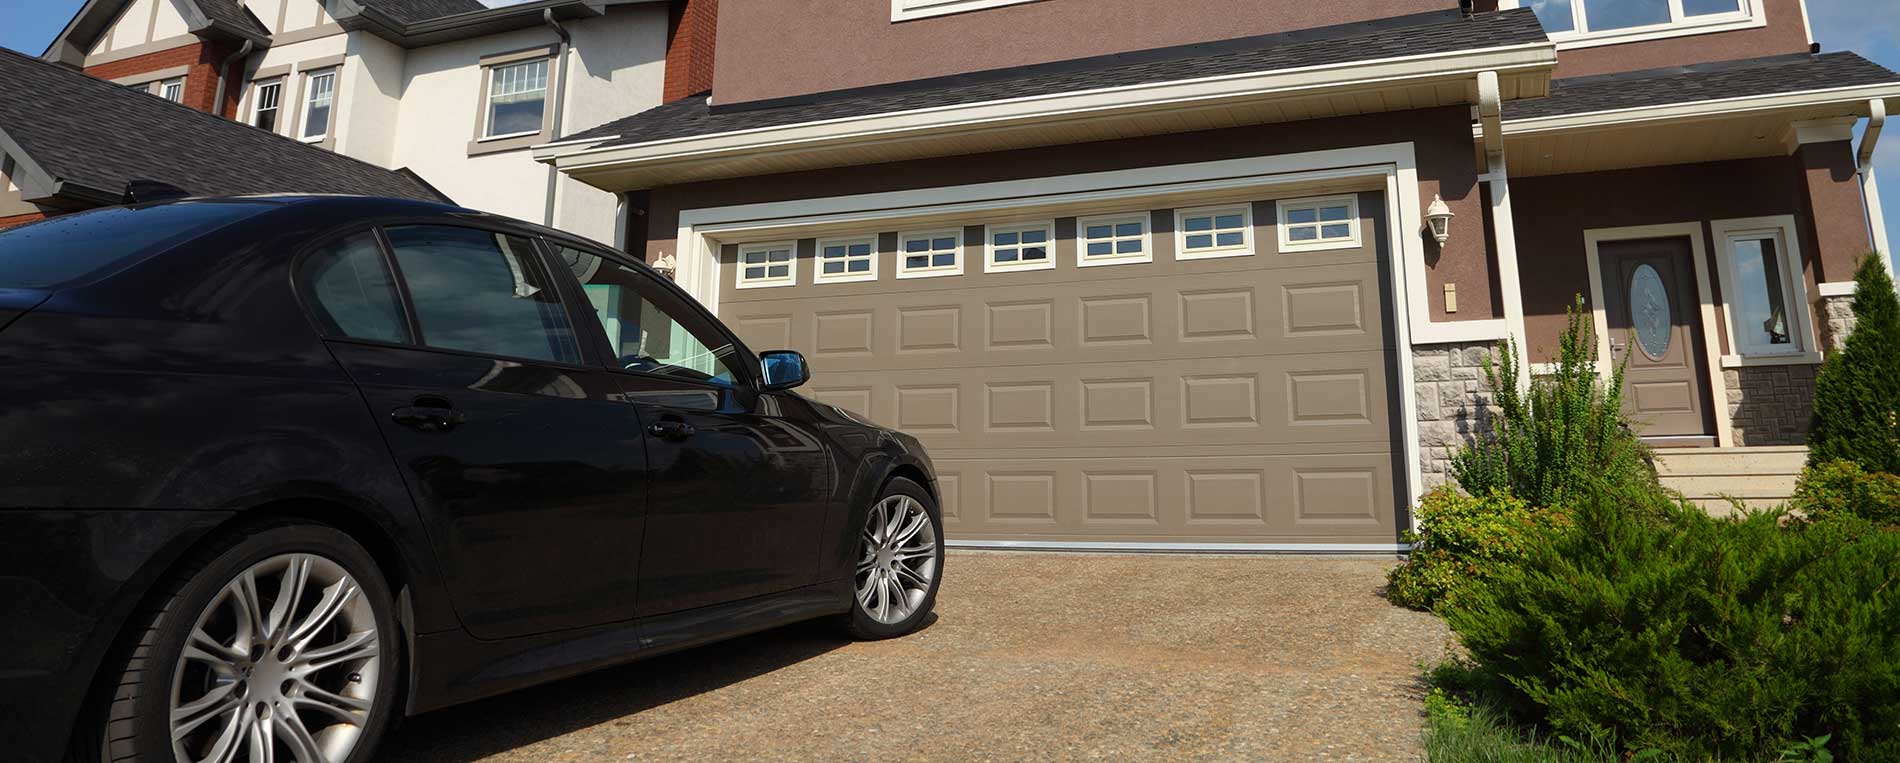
(100, 135)
(1418, 34)
(412, 11)
(232, 13)
(1702, 82)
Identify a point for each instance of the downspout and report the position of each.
(1869, 189)
(560, 109)
(217, 101)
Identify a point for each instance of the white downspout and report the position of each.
(560, 109)
(1869, 189)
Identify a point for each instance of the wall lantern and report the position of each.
(1438, 216)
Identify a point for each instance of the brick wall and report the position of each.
(689, 48)
(8, 222)
(1448, 383)
(201, 80)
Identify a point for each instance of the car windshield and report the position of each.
(62, 250)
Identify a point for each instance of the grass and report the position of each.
(1456, 733)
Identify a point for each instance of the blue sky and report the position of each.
(1868, 27)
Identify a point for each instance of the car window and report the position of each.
(350, 291)
(64, 249)
(482, 291)
(649, 328)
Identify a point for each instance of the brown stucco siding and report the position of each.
(1441, 138)
(201, 80)
(1785, 33)
(1834, 203)
(773, 48)
(1553, 212)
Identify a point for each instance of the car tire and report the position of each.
(333, 658)
(899, 563)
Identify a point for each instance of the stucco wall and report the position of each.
(1784, 33)
(617, 68)
(373, 73)
(296, 55)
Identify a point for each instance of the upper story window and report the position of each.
(905, 10)
(1317, 224)
(319, 90)
(172, 90)
(517, 99)
(266, 103)
(1603, 22)
(1020, 247)
(1214, 232)
(847, 259)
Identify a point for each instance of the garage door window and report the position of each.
(1113, 240)
(1214, 232)
(922, 255)
(767, 265)
(485, 292)
(846, 260)
(1318, 224)
(1020, 247)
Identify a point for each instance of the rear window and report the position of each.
(65, 249)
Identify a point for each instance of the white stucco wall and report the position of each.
(373, 77)
(619, 71)
(269, 12)
(170, 22)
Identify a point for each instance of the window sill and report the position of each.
(1573, 40)
(1213, 254)
(1102, 261)
(1012, 267)
(1794, 359)
(947, 271)
(501, 143)
(906, 10)
(1297, 247)
(764, 284)
(852, 278)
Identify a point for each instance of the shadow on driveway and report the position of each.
(492, 726)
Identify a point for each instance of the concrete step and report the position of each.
(1760, 486)
(1714, 462)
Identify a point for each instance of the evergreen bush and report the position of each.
(1857, 397)
(1842, 488)
(1556, 433)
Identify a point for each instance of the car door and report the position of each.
(737, 498)
(526, 465)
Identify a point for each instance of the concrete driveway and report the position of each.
(1033, 657)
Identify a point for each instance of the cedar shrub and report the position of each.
(1857, 396)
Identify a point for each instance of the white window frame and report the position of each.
(1751, 16)
(955, 268)
(1794, 290)
(1082, 240)
(307, 101)
(1284, 207)
(905, 10)
(791, 270)
(818, 274)
(1048, 262)
(1244, 249)
(161, 86)
(488, 95)
(257, 96)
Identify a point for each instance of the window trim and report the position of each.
(818, 275)
(1284, 233)
(931, 271)
(257, 91)
(791, 271)
(1048, 262)
(1246, 247)
(1082, 240)
(908, 10)
(1782, 229)
(161, 86)
(482, 143)
(1751, 16)
(304, 91)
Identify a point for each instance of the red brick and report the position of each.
(201, 79)
(691, 38)
(8, 222)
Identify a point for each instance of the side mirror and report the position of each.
(783, 369)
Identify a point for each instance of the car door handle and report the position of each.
(429, 414)
(671, 430)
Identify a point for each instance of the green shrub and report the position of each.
(1837, 488)
(1656, 625)
(1857, 397)
(1461, 540)
(1555, 433)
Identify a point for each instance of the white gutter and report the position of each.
(1673, 112)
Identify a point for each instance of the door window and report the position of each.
(1650, 312)
(485, 292)
(351, 293)
(649, 329)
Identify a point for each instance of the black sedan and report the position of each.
(276, 470)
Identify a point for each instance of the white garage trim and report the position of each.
(1390, 167)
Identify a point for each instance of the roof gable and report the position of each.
(227, 19)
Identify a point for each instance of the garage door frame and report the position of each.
(1393, 166)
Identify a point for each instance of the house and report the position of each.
(1214, 273)
(65, 147)
(451, 90)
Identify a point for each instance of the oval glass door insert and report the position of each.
(1649, 312)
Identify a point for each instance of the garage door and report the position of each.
(1107, 378)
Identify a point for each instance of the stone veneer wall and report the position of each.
(1836, 315)
(1770, 405)
(1448, 381)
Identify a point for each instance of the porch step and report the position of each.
(1714, 478)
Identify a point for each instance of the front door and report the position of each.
(1652, 311)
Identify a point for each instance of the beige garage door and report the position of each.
(1110, 389)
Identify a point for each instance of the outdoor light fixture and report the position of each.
(1439, 217)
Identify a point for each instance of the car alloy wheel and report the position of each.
(281, 665)
(899, 562)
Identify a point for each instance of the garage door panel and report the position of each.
(1231, 399)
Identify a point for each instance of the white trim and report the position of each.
(1161, 547)
(932, 271)
(1694, 109)
(1395, 165)
(1287, 245)
(738, 270)
(818, 259)
(1510, 279)
(1244, 249)
(1835, 289)
(1807, 24)
(1146, 237)
(1809, 358)
(1750, 16)
(1063, 107)
(1718, 392)
(1794, 283)
(306, 92)
(1048, 261)
(1819, 131)
(906, 10)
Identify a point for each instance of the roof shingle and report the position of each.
(412, 11)
(101, 136)
(1702, 82)
(233, 14)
